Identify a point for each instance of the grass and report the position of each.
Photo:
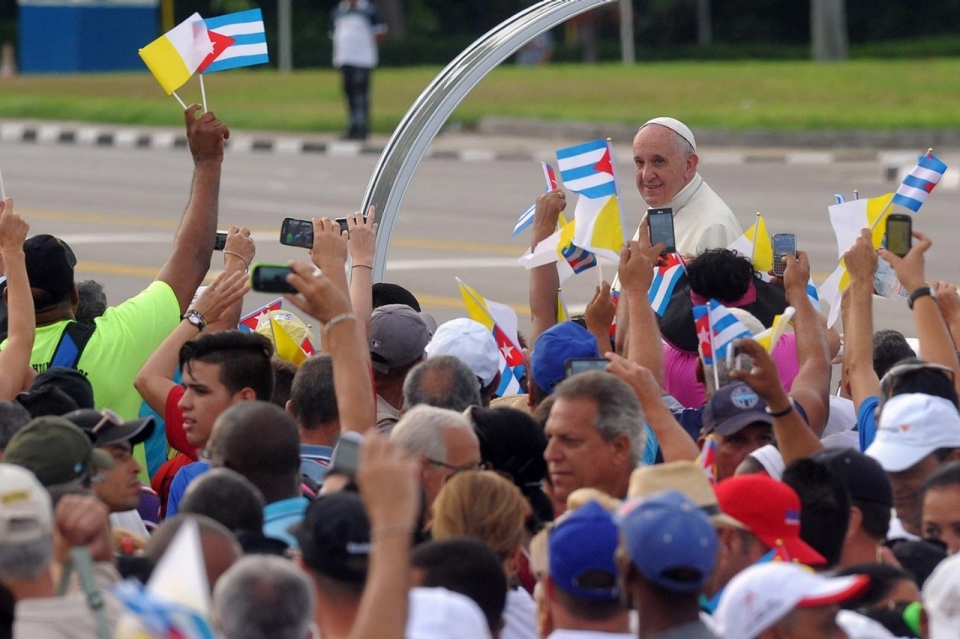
(780, 95)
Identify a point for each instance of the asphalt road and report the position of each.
(119, 208)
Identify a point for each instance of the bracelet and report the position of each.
(394, 530)
(921, 291)
(342, 317)
(246, 264)
(783, 413)
(369, 266)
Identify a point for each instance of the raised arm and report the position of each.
(948, 299)
(325, 300)
(644, 344)
(936, 345)
(15, 358)
(189, 261)
(861, 263)
(238, 253)
(544, 280)
(599, 316)
(362, 244)
(811, 386)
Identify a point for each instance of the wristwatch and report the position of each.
(918, 293)
(196, 318)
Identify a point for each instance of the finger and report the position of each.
(605, 289)
(190, 115)
(226, 132)
(659, 247)
(925, 242)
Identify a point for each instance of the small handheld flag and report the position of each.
(241, 39)
(250, 321)
(587, 169)
(918, 184)
(665, 279)
(724, 327)
(501, 320)
(550, 177)
(176, 55)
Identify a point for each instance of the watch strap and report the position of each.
(917, 293)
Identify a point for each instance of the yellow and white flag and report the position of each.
(175, 56)
(755, 244)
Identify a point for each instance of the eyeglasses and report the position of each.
(107, 418)
(459, 469)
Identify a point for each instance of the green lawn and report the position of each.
(786, 95)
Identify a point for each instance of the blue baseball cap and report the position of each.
(554, 347)
(670, 541)
(581, 549)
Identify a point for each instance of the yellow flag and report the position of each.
(762, 247)
(175, 56)
(286, 348)
(878, 209)
(476, 305)
(563, 315)
(769, 338)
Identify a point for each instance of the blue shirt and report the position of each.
(180, 482)
(315, 461)
(280, 515)
(867, 421)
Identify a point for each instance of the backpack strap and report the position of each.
(72, 342)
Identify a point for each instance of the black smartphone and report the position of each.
(221, 241)
(578, 365)
(783, 244)
(899, 233)
(270, 278)
(660, 222)
(342, 221)
(297, 233)
(346, 454)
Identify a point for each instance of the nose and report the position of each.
(184, 403)
(551, 452)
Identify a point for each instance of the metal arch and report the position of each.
(430, 111)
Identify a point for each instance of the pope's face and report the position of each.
(661, 168)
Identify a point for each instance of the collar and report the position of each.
(292, 505)
(686, 194)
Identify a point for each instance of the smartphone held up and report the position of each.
(660, 223)
(270, 278)
(899, 233)
(783, 244)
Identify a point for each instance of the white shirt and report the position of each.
(588, 634)
(130, 520)
(519, 616)
(355, 35)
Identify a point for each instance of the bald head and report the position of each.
(260, 441)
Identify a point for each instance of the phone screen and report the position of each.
(783, 244)
(583, 364)
(297, 233)
(221, 241)
(898, 234)
(346, 455)
(661, 228)
(269, 278)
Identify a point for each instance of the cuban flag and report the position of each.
(918, 184)
(616, 305)
(239, 40)
(813, 294)
(579, 259)
(587, 169)
(250, 321)
(724, 328)
(708, 459)
(701, 319)
(501, 320)
(550, 177)
(665, 279)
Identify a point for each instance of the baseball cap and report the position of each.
(688, 478)
(56, 391)
(293, 325)
(763, 594)
(438, 613)
(26, 511)
(334, 537)
(50, 263)
(581, 549)
(941, 599)
(863, 476)
(472, 343)
(106, 427)
(669, 539)
(563, 341)
(56, 451)
(911, 426)
(398, 336)
(676, 126)
(733, 408)
(770, 510)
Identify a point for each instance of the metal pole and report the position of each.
(626, 32)
(284, 19)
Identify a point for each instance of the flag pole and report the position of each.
(174, 94)
(3, 191)
(203, 93)
(756, 231)
(856, 194)
(599, 272)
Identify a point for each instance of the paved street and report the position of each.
(119, 208)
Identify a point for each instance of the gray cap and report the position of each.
(398, 336)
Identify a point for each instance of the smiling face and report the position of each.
(662, 169)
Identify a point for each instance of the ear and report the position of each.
(690, 169)
(549, 589)
(289, 410)
(856, 518)
(621, 447)
(246, 394)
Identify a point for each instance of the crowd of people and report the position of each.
(380, 488)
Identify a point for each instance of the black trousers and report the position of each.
(356, 86)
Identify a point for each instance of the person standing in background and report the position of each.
(357, 29)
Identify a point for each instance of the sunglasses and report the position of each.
(107, 418)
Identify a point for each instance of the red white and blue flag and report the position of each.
(587, 169)
(550, 177)
(579, 259)
(250, 321)
(716, 329)
(664, 280)
(701, 319)
(918, 184)
(239, 40)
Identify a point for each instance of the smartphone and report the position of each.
(660, 222)
(346, 454)
(221, 241)
(297, 233)
(342, 221)
(783, 244)
(735, 358)
(270, 278)
(578, 365)
(899, 233)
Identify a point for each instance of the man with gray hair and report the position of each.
(595, 433)
(444, 442)
(263, 597)
(665, 161)
(443, 381)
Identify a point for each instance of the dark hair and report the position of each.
(93, 300)
(312, 398)
(511, 442)
(469, 567)
(824, 506)
(452, 384)
(243, 358)
(883, 578)
(385, 293)
(283, 374)
(13, 417)
(7, 605)
(945, 476)
(929, 381)
(226, 497)
(588, 608)
(890, 348)
(720, 274)
(875, 518)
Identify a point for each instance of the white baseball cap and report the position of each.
(912, 426)
(26, 512)
(438, 613)
(676, 126)
(763, 594)
(472, 343)
(941, 599)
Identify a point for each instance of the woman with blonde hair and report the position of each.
(485, 506)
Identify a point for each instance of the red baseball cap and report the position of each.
(771, 511)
